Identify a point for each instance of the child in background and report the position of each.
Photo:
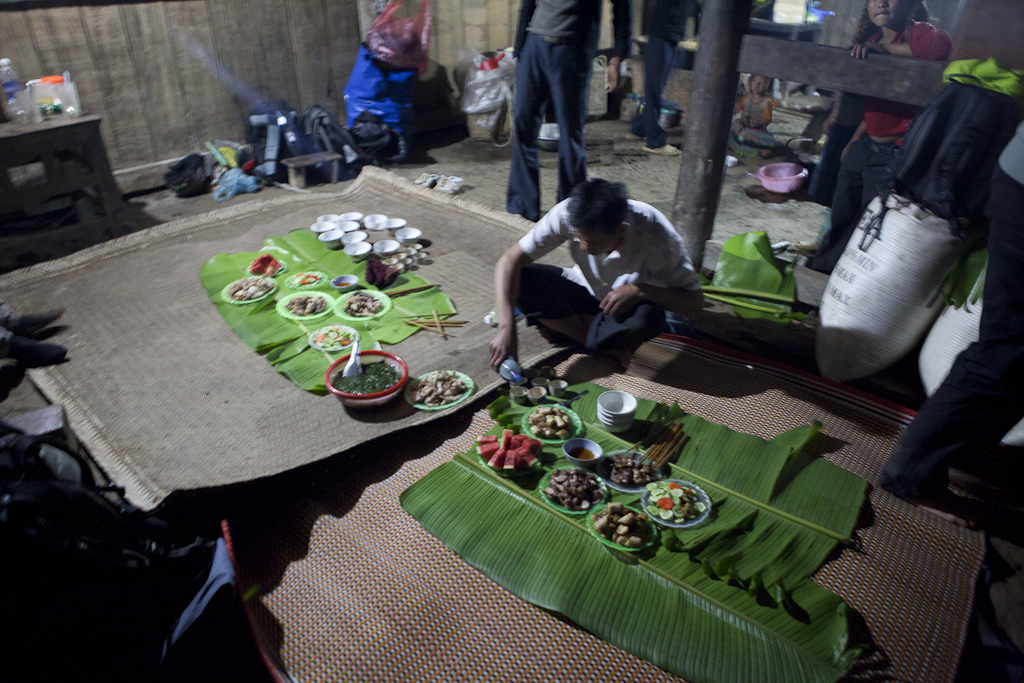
(749, 135)
(887, 26)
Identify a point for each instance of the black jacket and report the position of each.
(668, 19)
(589, 25)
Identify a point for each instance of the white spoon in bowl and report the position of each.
(353, 368)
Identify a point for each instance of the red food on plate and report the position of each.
(490, 438)
(506, 439)
(265, 264)
(487, 450)
(497, 461)
(510, 460)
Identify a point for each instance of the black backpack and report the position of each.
(93, 584)
(378, 139)
(329, 135)
(947, 158)
(275, 131)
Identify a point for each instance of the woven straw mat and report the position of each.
(353, 589)
(166, 397)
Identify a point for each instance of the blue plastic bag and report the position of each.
(388, 93)
(234, 182)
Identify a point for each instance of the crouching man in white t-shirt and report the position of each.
(631, 268)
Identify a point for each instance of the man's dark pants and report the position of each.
(983, 396)
(544, 293)
(559, 74)
(859, 174)
(659, 56)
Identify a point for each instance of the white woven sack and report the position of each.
(883, 296)
(954, 331)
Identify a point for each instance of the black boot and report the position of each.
(35, 354)
(31, 324)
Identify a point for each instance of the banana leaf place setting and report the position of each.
(281, 304)
(704, 538)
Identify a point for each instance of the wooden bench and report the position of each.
(298, 167)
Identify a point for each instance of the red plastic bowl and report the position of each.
(368, 400)
(782, 177)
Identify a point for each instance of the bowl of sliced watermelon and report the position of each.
(510, 455)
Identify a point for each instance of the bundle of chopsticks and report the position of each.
(664, 444)
(433, 323)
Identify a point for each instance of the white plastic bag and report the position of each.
(883, 296)
(954, 331)
(488, 89)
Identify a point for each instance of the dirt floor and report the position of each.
(652, 179)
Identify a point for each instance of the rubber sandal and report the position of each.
(427, 179)
(449, 184)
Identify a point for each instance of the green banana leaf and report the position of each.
(725, 601)
(749, 277)
(285, 342)
(965, 280)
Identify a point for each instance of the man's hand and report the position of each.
(611, 81)
(622, 299)
(504, 345)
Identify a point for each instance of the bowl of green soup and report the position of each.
(383, 378)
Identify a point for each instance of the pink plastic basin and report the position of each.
(783, 177)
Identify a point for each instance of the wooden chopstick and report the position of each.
(444, 323)
(437, 321)
(427, 325)
(409, 290)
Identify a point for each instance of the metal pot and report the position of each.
(547, 140)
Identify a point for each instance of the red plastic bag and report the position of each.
(401, 43)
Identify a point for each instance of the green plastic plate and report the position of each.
(285, 313)
(652, 534)
(410, 389)
(577, 426)
(561, 508)
(339, 307)
(224, 292)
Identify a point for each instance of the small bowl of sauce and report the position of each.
(582, 452)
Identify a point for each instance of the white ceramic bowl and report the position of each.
(358, 250)
(345, 283)
(356, 236)
(408, 235)
(557, 387)
(572, 444)
(351, 216)
(386, 247)
(328, 218)
(617, 403)
(396, 224)
(323, 226)
(348, 226)
(331, 239)
(394, 263)
(375, 221)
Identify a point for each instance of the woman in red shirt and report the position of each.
(886, 26)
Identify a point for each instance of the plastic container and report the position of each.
(783, 177)
(12, 86)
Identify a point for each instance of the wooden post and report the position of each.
(706, 131)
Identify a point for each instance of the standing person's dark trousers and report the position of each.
(859, 174)
(560, 73)
(823, 183)
(983, 396)
(659, 56)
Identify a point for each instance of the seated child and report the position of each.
(886, 26)
(749, 135)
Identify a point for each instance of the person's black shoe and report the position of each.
(35, 354)
(31, 324)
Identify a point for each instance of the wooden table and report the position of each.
(73, 157)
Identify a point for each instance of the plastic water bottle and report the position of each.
(12, 85)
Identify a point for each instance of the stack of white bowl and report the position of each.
(616, 410)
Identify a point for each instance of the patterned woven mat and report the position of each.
(353, 589)
(166, 397)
